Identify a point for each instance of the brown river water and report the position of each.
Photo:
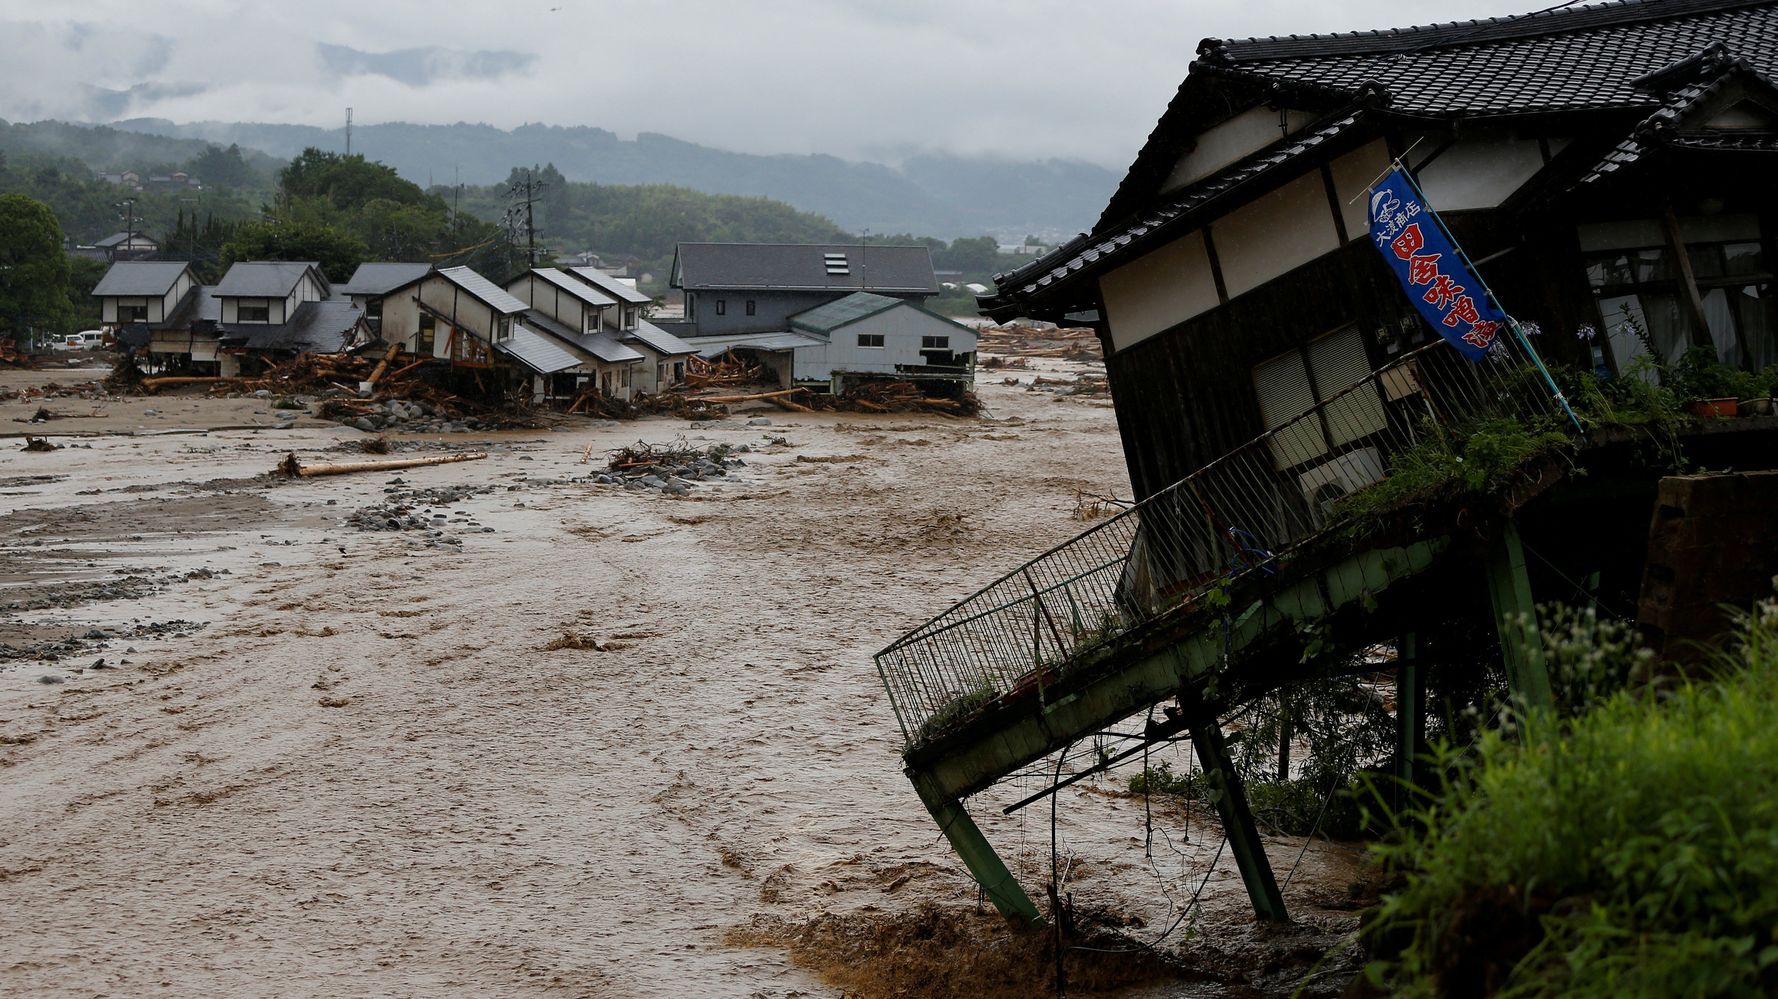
(620, 744)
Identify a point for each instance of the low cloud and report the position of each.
(422, 67)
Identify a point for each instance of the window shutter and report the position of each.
(1339, 361)
(1284, 393)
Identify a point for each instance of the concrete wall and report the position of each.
(1712, 541)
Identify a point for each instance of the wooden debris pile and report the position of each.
(883, 396)
(727, 370)
(40, 444)
(1071, 344)
(10, 355)
(643, 455)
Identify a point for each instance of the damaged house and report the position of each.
(572, 313)
(261, 310)
(1605, 170)
(663, 354)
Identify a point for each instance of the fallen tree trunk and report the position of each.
(150, 384)
(748, 398)
(291, 467)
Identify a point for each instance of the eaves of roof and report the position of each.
(1091, 254)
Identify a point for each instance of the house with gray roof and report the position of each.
(859, 337)
(127, 246)
(734, 288)
(371, 282)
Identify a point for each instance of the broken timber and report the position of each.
(293, 468)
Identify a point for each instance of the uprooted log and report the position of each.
(171, 381)
(293, 468)
(40, 444)
(383, 365)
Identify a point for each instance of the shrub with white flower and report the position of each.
(1585, 332)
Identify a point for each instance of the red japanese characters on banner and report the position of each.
(1430, 267)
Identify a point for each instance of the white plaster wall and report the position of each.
(1223, 144)
(1158, 289)
(1352, 176)
(1480, 171)
(1277, 233)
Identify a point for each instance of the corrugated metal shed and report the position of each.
(140, 278)
(483, 290)
(610, 285)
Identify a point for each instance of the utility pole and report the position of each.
(348, 131)
(524, 192)
(130, 218)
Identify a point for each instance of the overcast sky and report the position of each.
(862, 79)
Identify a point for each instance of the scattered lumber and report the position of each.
(40, 444)
(293, 468)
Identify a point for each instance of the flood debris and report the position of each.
(671, 468)
(1018, 340)
(292, 468)
(40, 444)
(420, 509)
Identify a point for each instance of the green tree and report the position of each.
(346, 183)
(84, 274)
(219, 167)
(338, 253)
(976, 256)
(34, 272)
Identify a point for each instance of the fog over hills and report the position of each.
(928, 194)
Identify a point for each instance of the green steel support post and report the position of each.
(1410, 713)
(983, 863)
(1230, 797)
(1515, 618)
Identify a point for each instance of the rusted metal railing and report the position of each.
(1235, 516)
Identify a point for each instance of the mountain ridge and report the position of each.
(929, 194)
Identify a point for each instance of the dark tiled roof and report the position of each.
(382, 278)
(803, 267)
(120, 238)
(1625, 56)
(1575, 58)
(140, 278)
(1713, 71)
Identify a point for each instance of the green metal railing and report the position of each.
(1236, 516)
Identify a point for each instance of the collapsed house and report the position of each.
(261, 311)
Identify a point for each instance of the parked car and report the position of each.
(84, 340)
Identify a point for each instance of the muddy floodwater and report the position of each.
(559, 738)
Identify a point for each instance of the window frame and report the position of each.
(879, 345)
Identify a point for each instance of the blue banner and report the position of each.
(1430, 269)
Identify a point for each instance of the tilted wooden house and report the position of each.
(1597, 162)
